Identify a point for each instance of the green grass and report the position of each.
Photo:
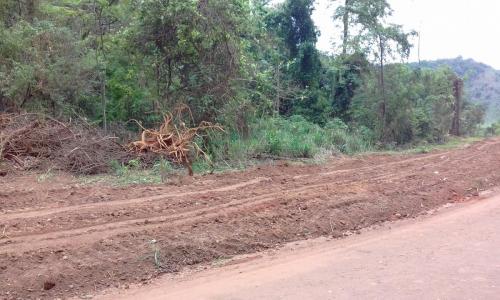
(163, 171)
(289, 139)
(271, 139)
(134, 177)
(47, 175)
(132, 173)
(451, 143)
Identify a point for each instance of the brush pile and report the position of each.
(34, 141)
(173, 142)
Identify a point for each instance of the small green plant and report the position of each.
(134, 164)
(118, 168)
(156, 255)
(163, 168)
(45, 176)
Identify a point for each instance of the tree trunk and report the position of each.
(30, 10)
(457, 89)
(345, 21)
(98, 11)
(159, 94)
(104, 102)
(277, 104)
(382, 88)
(3, 107)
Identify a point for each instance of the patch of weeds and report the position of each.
(203, 167)
(45, 176)
(4, 234)
(451, 143)
(164, 169)
(125, 174)
(118, 168)
(157, 259)
(423, 149)
(293, 137)
(221, 261)
(324, 155)
(134, 164)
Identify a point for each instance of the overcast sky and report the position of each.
(448, 28)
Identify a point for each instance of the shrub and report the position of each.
(294, 137)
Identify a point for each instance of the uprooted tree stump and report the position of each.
(173, 142)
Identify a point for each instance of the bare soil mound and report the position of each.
(60, 239)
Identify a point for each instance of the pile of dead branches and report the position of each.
(34, 141)
(173, 142)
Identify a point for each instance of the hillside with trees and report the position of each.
(247, 65)
(482, 82)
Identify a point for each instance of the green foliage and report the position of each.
(43, 67)
(294, 21)
(193, 49)
(346, 76)
(290, 138)
(250, 66)
(163, 166)
(493, 129)
(419, 105)
(482, 83)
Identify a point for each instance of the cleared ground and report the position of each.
(451, 255)
(78, 240)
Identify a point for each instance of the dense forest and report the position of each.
(248, 65)
(482, 83)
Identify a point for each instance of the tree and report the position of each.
(381, 40)
(346, 76)
(11, 11)
(296, 28)
(194, 50)
(458, 86)
(387, 35)
(103, 20)
(295, 25)
(343, 13)
(359, 15)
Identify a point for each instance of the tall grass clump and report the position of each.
(294, 137)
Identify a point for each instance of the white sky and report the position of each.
(448, 28)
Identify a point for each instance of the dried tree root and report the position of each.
(176, 143)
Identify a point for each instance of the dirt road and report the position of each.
(59, 238)
(452, 255)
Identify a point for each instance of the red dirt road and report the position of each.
(452, 255)
(77, 240)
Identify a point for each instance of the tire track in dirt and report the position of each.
(306, 186)
(105, 230)
(22, 213)
(89, 247)
(102, 231)
(91, 206)
(479, 147)
(267, 197)
(49, 211)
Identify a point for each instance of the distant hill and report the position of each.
(482, 82)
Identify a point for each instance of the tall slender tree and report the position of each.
(375, 37)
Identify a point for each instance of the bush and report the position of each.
(493, 129)
(294, 137)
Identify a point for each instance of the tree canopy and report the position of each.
(229, 61)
